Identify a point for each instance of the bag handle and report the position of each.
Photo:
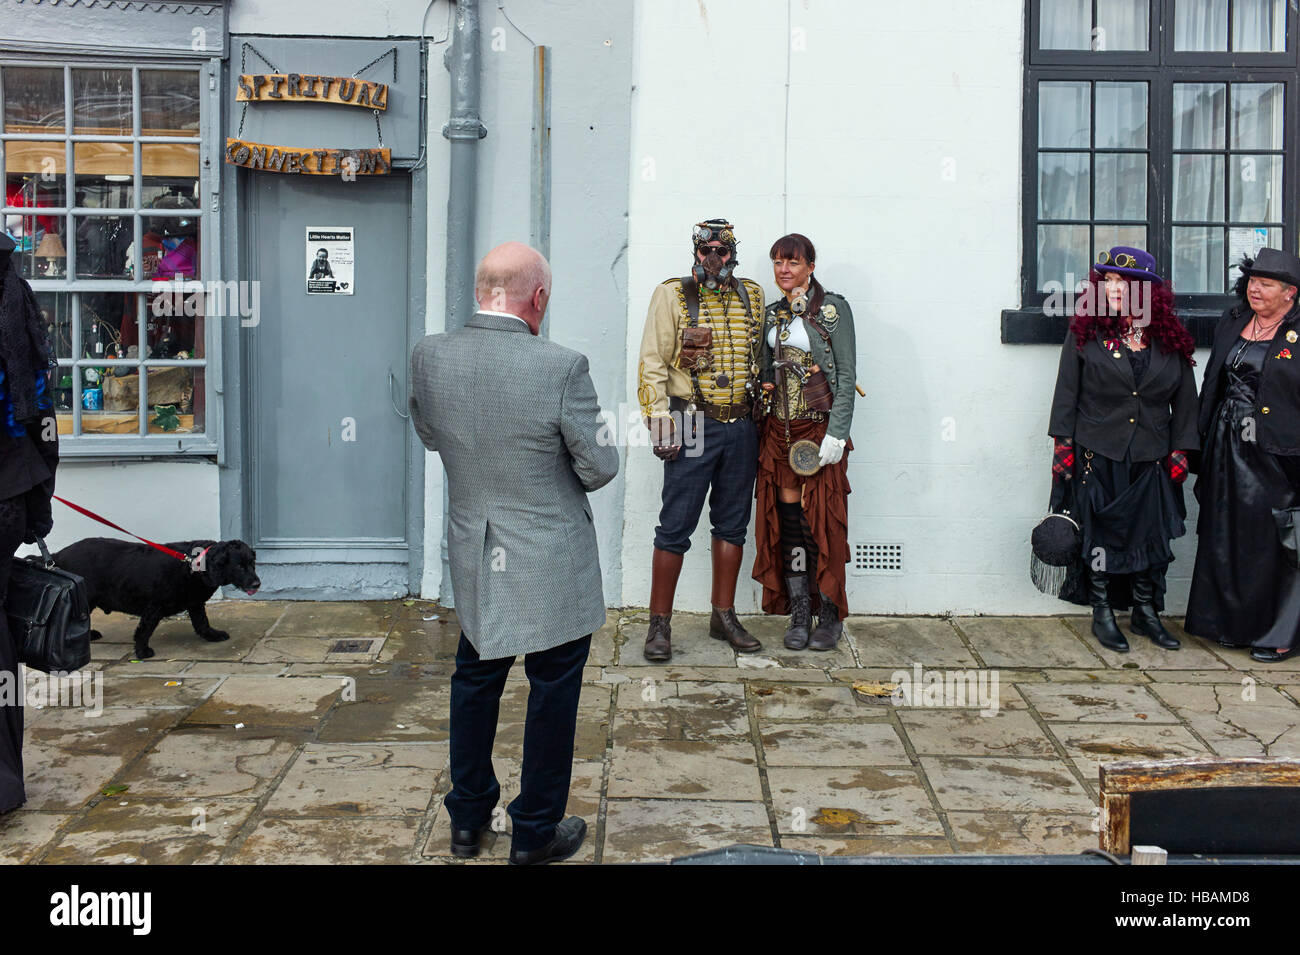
(45, 553)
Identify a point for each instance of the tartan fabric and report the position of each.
(1063, 459)
(1178, 468)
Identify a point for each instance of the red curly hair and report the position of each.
(1093, 317)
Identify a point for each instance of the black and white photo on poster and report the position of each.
(329, 260)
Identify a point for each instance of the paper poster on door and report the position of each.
(329, 260)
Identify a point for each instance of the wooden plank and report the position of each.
(311, 88)
(1198, 772)
(1114, 823)
(320, 161)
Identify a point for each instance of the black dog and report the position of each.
(136, 579)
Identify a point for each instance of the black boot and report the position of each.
(829, 627)
(1145, 620)
(1103, 618)
(796, 635)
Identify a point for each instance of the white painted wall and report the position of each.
(161, 500)
(880, 98)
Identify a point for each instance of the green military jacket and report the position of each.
(838, 358)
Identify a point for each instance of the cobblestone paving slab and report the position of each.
(23, 834)
(1005, 784)
(1096, 703)
(660, 830)
(863, 801)
(160, 832)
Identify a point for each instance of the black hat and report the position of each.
(1274, 264)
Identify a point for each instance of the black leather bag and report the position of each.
(49, 615)
(1287, 531)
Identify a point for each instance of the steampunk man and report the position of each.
(698, 378)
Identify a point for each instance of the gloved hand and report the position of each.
(1178, 468)
(831, 451)
(661, 438)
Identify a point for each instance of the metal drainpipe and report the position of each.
(464, 130)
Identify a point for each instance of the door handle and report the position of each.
(392, 379)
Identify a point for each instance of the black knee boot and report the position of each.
(1145, 620)
(1103, 618)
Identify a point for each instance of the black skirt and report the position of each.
(1128, 512)
(12, 795)
(1244, 592)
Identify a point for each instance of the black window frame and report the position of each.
(1160, 67)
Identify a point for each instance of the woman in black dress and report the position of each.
(29, 454)
(1124, 416)
(1244, 591)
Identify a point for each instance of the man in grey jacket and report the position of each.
(515, 419)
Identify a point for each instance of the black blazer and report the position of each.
(1277, 404)
(1100, 406)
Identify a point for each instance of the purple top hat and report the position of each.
(1126, 260)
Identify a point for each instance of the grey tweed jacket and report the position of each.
(515, 419)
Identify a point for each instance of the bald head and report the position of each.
(514, 278)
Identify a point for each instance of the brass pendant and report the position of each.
(1116, 354)
(785, 334)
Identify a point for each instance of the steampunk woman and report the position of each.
(1245, 590)
(1124, 417)
(808, 357)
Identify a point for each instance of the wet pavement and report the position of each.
(318, 734)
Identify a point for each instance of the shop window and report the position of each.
(102, 171)
(1165, 124)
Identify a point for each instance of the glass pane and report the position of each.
(171, 242)
(33, 99)
(56, 315)
(1199, 115)
(1198, 259)
(1201, 25)
(1259, 26)
(1063, 115)
(101, 102)
(1198, 188)
(1109, 236)
(104, 175)
(1247, 241)
(1062, 254)
(1121, 115)
(1065, 25)
(170, 169)
(1121, 186)
(34, 179)
(1257, 115)
(1122, 25)
(175, 401)
(169, 102)
(102, 242)
(1256, 191)
(1063, 186)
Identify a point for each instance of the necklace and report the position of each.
(1134, 338)
(1261, 329)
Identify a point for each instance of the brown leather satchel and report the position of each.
(817, 391)
(696, 344)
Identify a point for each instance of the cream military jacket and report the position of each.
(658, 376)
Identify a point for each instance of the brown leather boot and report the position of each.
(723, 625)
(664, 570)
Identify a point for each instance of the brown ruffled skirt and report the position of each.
(825, 506)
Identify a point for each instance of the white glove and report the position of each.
(831, 452)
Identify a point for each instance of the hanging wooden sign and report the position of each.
(309, 161)
(310, 87)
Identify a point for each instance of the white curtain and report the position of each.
(1201, 25)
(1259, 26)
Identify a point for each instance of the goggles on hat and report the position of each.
(703, 233)
(1122, 261)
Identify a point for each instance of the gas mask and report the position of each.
(713, 271)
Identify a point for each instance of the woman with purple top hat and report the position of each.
(1123, 418)
(1246, 589)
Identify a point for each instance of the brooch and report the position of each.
(1291, 336)
(1284, 353)
(829, 311)
(1112, 344)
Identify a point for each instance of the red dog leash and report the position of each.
(95, 517)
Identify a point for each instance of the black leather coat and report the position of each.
(1277, 404)
(1099, 404)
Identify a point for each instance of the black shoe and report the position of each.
(658, 639)
(1144, 619)
(829, 627)
(566, 841)
(465, 842)
(1104, 627)
(1265, 655)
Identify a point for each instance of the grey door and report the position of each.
(328, 452)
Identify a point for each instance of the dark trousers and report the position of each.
(13, 521)
(555, 681)
(722, 465)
